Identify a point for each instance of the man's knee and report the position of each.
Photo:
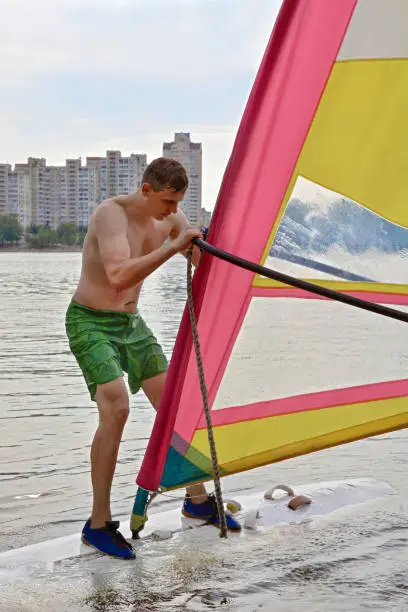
(113, 403)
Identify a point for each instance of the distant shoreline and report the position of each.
(27, 249)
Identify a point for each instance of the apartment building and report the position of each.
(50, 195)
(57, 194)
(5, 170)
(189, 154)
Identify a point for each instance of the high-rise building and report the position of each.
(83, 211)
(19, 196)
(57, 194)
(96, 181)
(40, 212)
(137, 164)
(112, 173)
(189, 154)
(12, 192)
(28, 192)
(72, 177)
(123, 174)
(5, 170)
(23, 205)
(50, 195)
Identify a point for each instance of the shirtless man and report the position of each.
(129, 236)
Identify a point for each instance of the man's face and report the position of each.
(161, 203)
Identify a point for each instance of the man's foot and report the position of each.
(108, 540)
(208, 511)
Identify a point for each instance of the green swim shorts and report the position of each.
(107, 342)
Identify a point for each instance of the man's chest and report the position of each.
(145, 240)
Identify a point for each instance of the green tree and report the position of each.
(42, 237)
(10, 228)
(47, 237)
(67, 233)
(31, 239)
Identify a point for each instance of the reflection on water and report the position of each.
(47, 422)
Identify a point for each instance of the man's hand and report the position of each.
(181, 242)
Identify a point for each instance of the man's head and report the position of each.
(164, 184)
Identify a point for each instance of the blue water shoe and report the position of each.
(208, 511)
(108, 540)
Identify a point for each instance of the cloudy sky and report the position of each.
(80, 76)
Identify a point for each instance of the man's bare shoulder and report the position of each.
(108, 214)
(108, 208)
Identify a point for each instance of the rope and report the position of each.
(204, 393)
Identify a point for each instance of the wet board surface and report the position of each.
(256, 514)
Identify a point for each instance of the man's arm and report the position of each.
(122, 270)
(180, 224)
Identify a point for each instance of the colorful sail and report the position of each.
(317, 184)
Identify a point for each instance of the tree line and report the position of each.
(39, 236)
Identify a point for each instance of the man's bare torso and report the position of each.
(94, 289)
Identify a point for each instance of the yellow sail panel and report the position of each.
(245, 444)
(357, 144)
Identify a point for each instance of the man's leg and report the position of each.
(113, 404)
(153, 388)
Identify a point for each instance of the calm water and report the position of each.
(356, 562)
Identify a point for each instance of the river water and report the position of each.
(356, 562)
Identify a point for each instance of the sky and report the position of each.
(78, 77)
